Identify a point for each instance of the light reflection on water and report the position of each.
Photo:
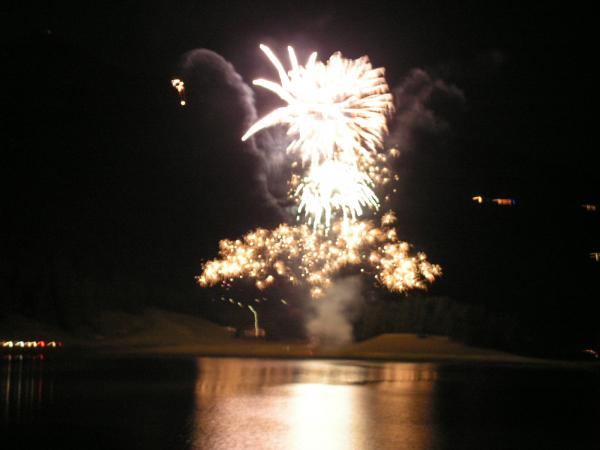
(24, 387)
(312, 404)
(236, 403)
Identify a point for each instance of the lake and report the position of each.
(235, 403)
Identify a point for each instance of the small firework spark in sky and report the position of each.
(179, 86)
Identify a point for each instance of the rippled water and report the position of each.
(232, 403)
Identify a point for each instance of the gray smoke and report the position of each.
(414, 110)
(204, 72)
(202, 66)
(332, 316)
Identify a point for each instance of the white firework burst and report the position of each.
(335, 110)
(331, 187)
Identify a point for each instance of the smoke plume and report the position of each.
(331, 322)
(206, 72)
(420, 102)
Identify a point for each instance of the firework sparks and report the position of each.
(335, 186)
(336, 116)
(335, 110)
(297, 254)
(179, 86)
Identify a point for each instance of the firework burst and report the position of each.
(335, 110)
(296, 254)
(335, 186)
(336, 116)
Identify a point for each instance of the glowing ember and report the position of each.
(180, 88)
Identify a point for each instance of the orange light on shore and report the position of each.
(590, 207)
(498, 201)
(504, 201)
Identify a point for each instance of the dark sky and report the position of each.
(104, 170)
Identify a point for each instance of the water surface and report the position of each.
(233, 403)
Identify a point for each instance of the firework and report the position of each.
(335, 186)
(179, 86)
(336, 116)
(335, 110)
(297, 254)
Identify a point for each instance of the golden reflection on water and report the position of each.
(322, 416)
(302, 404)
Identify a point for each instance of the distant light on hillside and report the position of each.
(30, 344)
(589, 207)
(498, 201)
(504, 201)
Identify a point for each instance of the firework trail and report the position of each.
(336, 117)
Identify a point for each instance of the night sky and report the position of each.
(109, 185)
